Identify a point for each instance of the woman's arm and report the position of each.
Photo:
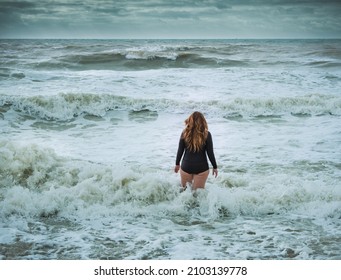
(210, 153)
(181, 149)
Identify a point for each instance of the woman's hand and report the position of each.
(176, 168)
(215, 172)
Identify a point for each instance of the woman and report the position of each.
(195, 142)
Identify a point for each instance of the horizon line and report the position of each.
(198, 38)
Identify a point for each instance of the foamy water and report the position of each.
(89, 133)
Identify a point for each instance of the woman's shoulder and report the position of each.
(209, 136)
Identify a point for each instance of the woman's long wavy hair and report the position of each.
(195, 132)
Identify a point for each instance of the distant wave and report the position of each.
(140, 55)
(6, 73)
(66, 107)
(137, 60)
(325, 64)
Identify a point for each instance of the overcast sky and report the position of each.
(170, 19)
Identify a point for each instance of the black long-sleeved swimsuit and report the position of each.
(196, 162)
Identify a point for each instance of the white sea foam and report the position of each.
(118, 205)
(37, 182)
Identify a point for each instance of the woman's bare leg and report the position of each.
(199, 180)
(185, 178)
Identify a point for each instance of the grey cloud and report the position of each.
(7, 5)
(128, 17)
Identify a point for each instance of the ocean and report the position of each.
(88, 138)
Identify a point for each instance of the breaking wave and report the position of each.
(34, 181)
(144, 55)
(65, 107)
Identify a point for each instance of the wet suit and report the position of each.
(196, 162)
